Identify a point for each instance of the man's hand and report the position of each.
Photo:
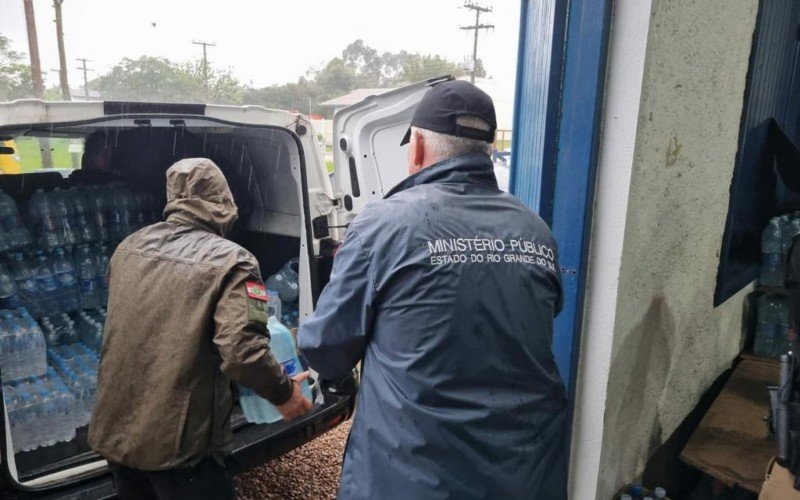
(297, 405)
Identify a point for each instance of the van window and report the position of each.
(26, 154)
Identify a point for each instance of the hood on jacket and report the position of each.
(198, 194)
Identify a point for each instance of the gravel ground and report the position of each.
(309, 472)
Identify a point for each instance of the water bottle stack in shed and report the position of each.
(775, 333)
(55, 249)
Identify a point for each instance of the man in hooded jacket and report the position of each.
(447, 289)
(186, 318)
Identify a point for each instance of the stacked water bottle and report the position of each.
(55, 271)
(77, 366)
(775, 334)
(42, 411)
(255, 408)
(286, 283)
(22, 346)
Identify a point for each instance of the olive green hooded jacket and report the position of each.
(185, 319)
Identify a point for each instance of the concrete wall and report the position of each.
(667, 341)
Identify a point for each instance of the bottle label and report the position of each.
(88, 285)
(771, 259)
(290, 366)
(47, 282)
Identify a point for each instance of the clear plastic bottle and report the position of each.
(11, 222)
(62, 209)
(103, 259)
(290, 278)
(9, 294)
(116, 216)
(84, 226)
(96, 200)
(67, 278)
(277, 283)
(46, 284)
(772, 268)
(87, 270)
(255, 408)
(768, 325)
(45, 221)
(26, 284)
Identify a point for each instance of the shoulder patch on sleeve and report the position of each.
(256, 291)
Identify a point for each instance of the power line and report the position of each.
(476, 27)
(205, 59)
(85, 75)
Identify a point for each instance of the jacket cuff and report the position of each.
(282, 392)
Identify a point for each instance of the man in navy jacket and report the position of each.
(447, 289)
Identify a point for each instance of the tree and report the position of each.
(160, 80)
(15, 74)
(223, 87)
(148, 79)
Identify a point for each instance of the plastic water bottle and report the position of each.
(771, 272)
(11, 222)
(69, 287)
(255, 408)
(9, 295)
(96, 200)
(63, 211)
(768, 326)
(87, 270)
(103, 258)
(46, 284)
(44, 219)
(277, 283)
(84, 226)
(26, 284)
(290, 278)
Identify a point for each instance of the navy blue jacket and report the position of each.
(447, 289)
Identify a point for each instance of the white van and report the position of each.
(289, 205)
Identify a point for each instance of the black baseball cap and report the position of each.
(445, 102)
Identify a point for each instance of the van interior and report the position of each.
(263, 165)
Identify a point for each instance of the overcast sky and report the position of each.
(263, 41)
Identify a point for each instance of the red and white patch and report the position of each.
(256, 291)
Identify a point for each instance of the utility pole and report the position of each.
(33, 48)
(205, 59)
(36, 76)
(476, 27)
(62, 56)
(85, 76)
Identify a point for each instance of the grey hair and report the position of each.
(443, 146)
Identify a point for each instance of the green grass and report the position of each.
(329, 166)
(29, 150)
(503, 145)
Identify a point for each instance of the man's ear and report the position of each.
(418, 154)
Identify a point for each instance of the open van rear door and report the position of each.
(368, 158)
